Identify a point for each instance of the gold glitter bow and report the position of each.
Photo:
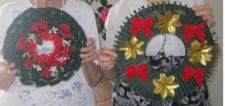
(168, 22)
(132, 48)
(165, 86)
(200, 52)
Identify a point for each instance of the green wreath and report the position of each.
(146, 61)
(44, 43)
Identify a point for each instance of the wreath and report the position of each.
(44, 43)
(165, 51)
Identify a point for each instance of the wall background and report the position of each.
(216, 85)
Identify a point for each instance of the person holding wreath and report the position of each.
(76, 91)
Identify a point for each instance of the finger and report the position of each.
(12, 72)
(90, 42)
(105, 58)
(88, 55)
(11, 66)
(210, 20)
(94, 57)
(87, 49)
(109, 52)
(107, 65)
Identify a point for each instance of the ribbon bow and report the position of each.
(141, 25)
(194, 30)
(197, 74)
(141, 71)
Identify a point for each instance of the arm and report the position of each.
(89, 54)
(91, 70)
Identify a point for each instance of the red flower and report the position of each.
(58, 42)
(21, 43)
(46, 73)
(44, 61)
(67, 52)
(28, 62)
(43, 25)
(35, 28)
(32, 48)
(65, 29)
(104, 13)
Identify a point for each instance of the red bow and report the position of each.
(194, 30)
(141, 24)
(141, 71)
(197, 74)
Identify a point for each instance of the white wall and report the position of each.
(216, 85)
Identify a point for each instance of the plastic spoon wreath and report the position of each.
(165, 51)
(45, 45)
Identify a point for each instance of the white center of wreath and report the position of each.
(165, 52)
(46, 47)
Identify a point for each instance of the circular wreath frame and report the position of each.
(54, 17)
(146, 89)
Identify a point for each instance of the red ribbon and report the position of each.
(194, 30)
(141, 25)
(141, 71)
(197, 74)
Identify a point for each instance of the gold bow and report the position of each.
(132, 48)
(168, 22)
(200, 52)
(165, 86)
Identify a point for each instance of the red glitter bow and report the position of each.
(141, 71)
(197, 74)
(194, 30)
(141, 25)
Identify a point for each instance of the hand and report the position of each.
(106, 58)
(7, 74)
(205, 11)
(89, 53)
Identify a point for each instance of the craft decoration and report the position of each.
(165, 86)
(44, 43)
(165, 52)
(141, 24)
(141, 71)
(200, 52)
(133, 48)
(194, 30)
(168, 22)
(197, 74)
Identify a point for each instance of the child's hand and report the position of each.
(205, 11)
(89, 53)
